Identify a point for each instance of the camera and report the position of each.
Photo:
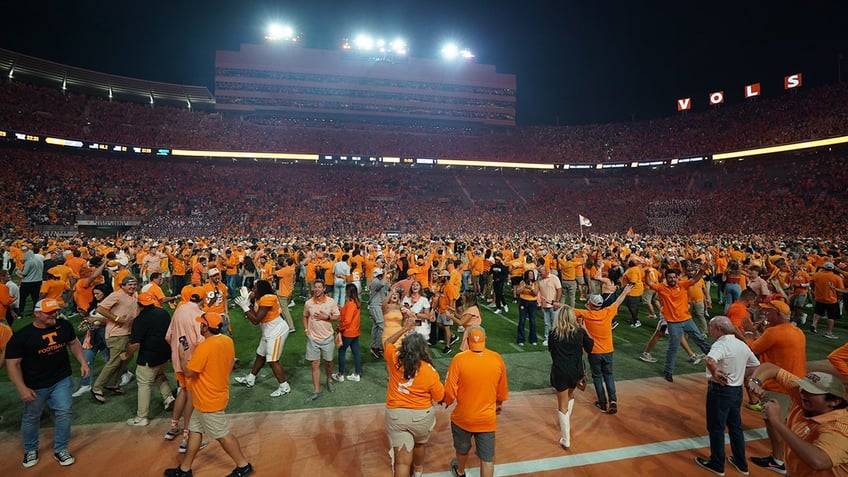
(184, 342)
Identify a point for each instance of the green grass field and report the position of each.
(528, 368)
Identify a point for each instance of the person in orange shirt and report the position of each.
(633, 275)
(266, 314)
(477, 382)
(826, 285)
(198, 271)
(285, 288)
(799, 287)
(673, 296)
(738, 311)
(179, 266)
(413, 387)
(784, 345)
(598, 322)
(349, 327)
(209, 373)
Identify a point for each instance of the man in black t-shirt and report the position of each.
(38, 363)
(148, 337)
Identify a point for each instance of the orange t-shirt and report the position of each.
(350, 320)
(599, 324)
(785, 346)
(737, 312)
(416, 393)
(273, 304)
(212, 360)
(674, 301)
(476, 381)
(286, 285)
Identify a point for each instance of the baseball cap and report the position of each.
(147, 298)
(47, 305)
(778, 305)
(211, 319)
(378, 272)
(822, 383)
(213, 271)
(595, 300)
(476, 338)
(828, 266)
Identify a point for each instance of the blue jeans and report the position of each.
(675, 334)
(98, 345)
(731, 294)
(723, 404)
(339, 295)
(527, 311)
(58, 397)
(548, 315)
(353, 344)
(232, 284)
(601, 366)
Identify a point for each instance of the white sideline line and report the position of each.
(600, 457)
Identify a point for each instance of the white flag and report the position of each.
(585, 222)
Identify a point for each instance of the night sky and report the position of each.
(576, 62)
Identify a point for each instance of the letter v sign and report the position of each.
(684, 104)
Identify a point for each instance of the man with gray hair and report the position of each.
(727, 362)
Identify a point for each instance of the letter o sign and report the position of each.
(717, 97)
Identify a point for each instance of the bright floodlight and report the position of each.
(399, 46)
(364, 42)
(450, 51)
(277, 32)
(466, 53)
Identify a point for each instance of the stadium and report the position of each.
(313, 154)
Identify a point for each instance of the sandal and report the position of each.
(116, 390)
(98, 396)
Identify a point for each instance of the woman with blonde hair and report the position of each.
(567, 341)
(470, 317)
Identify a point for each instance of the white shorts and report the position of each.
(274, 334)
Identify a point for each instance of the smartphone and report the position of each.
(419, 322)
(184, 342)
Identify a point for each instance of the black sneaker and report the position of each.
(743, 469)
(453, 340)
(709, 465)
(30, 458)
(375, 352)
(769, 463)
(602, 407)
(447, 350)
(454, 469)
(242, 471)
(668, 377)
(813, 329)
(64, 458)
(178, 472)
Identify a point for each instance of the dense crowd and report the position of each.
(795, 117)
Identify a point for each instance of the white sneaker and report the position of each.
(281, 390)
(646, 357)
(803, 318)
(126, 378)
(82, 390)
(353, 377)
(545, 343)
(245, 381)
(498, 311)
(137, 421)
(506, 308)
(291, 304)
(831, 336)
(168, 401)
(338, 377)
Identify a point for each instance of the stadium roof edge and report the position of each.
(80, 79)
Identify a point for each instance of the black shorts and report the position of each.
(831, 310)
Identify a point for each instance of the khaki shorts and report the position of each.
(407, 427)
(212, 424)
(316, 350)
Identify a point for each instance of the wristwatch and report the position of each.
(755, 381)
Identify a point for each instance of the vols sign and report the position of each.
(751, 90)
